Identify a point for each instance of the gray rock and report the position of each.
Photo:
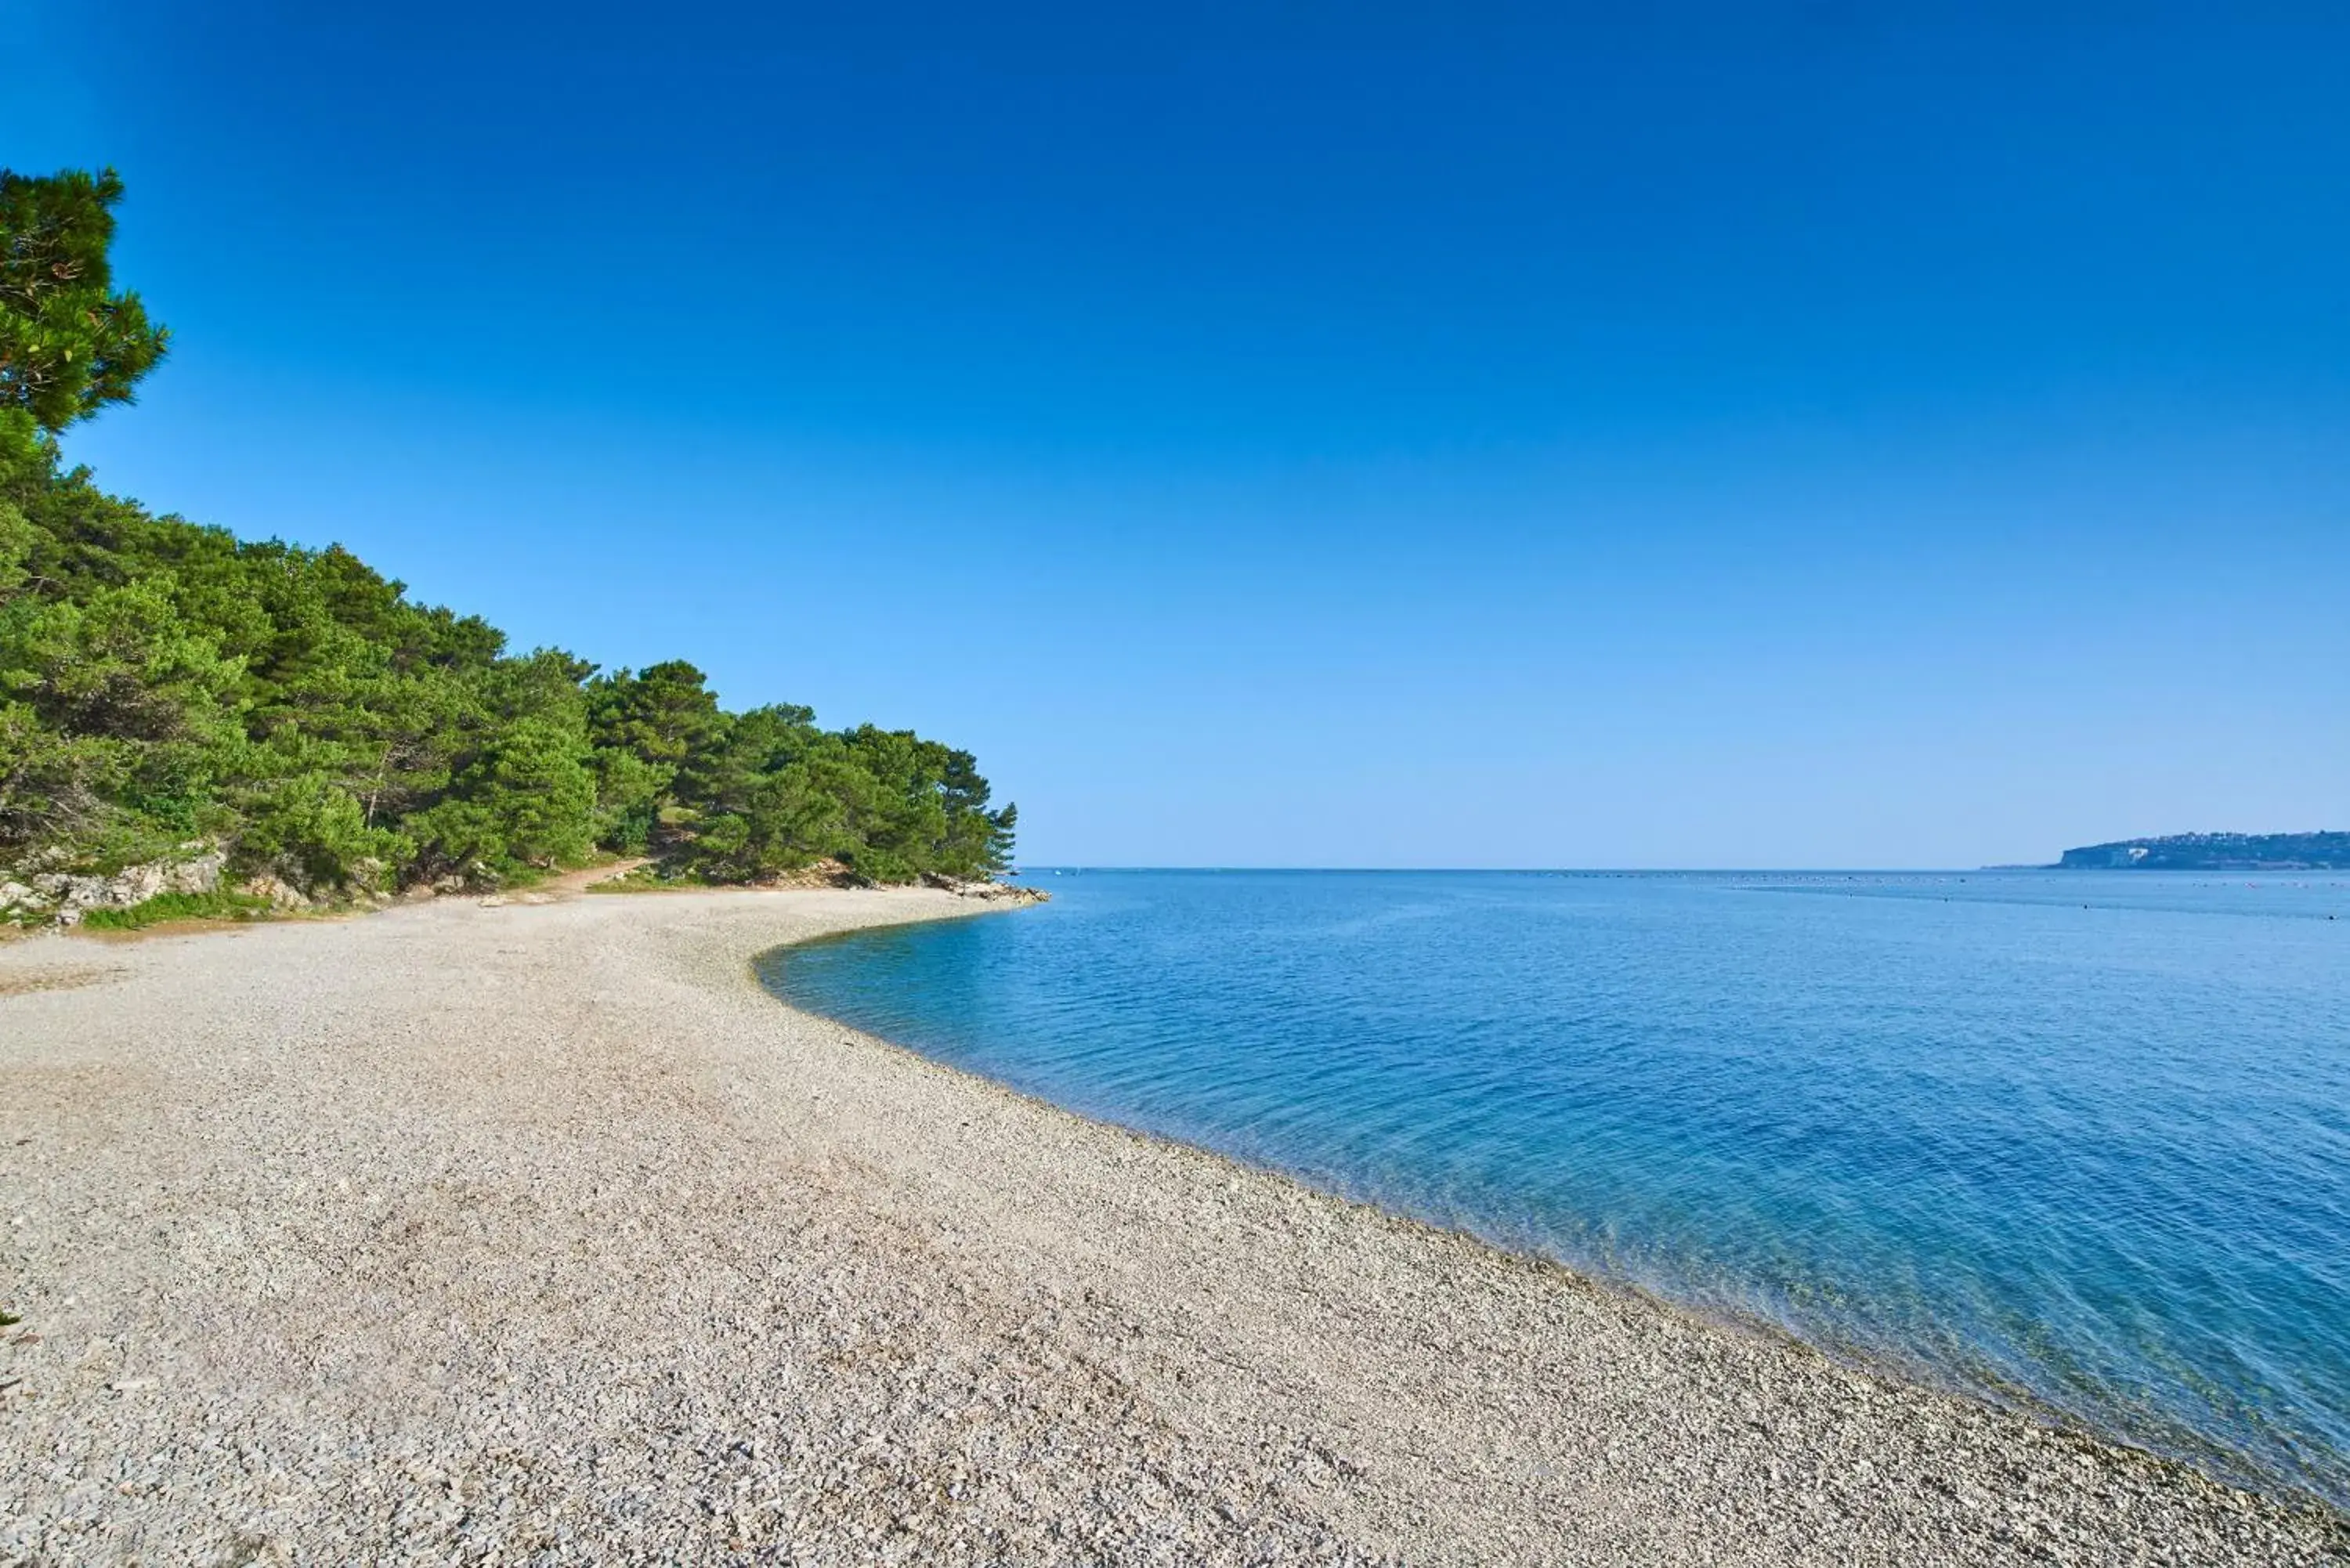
(281, 894)
(984, 890)
(66, 897)
(200, 873)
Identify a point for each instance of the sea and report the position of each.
(2076, 1142)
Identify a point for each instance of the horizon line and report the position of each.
(1569, 870)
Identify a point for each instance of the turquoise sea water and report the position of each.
(2080, 1141)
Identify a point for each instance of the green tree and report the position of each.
(311, 832)
(525, 803)
(70, 344)
(122, 718)
(17, 539)
(629, 792)
(664, 713)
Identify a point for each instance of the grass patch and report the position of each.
(177, 907)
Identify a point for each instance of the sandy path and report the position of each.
(540, 1233)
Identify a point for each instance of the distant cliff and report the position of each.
(2217, 852)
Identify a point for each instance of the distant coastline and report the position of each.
(2215, 852)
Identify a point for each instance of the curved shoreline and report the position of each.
(1888, 1367)
(550, 1229)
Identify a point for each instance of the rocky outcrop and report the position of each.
(30, 896)
(36, 896)
(986, 890)
(281, 894)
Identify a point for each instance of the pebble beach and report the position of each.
(538, 1233)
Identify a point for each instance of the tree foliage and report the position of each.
(162, 682)
(70, 345)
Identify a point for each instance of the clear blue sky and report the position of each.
(1777, 436)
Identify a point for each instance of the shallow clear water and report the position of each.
(2074, 1139)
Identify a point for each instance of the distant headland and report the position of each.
(2216, 852)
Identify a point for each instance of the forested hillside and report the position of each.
(166, 689)
(2216, 852)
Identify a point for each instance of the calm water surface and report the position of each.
(2073, 1140)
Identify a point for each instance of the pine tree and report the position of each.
(68, 344)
